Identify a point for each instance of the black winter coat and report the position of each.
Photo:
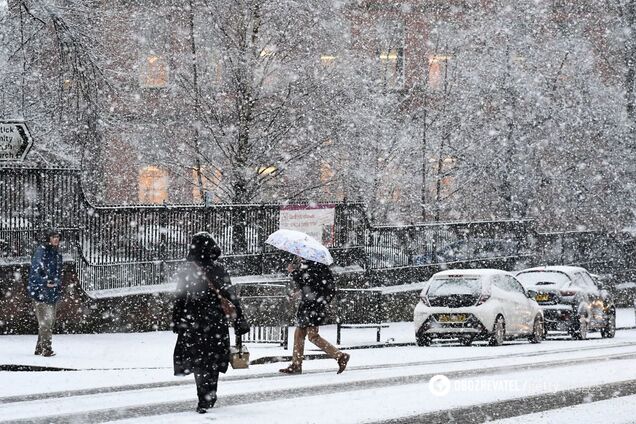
(316, 283)
(203, 341)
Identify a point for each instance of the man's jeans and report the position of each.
(45, 313)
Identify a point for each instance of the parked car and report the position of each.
(468, 250)
(474, 304)
(571, 300)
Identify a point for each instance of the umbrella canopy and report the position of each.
(300, 244)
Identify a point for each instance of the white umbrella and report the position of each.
(300, 244)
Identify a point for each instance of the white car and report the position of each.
(476, 304)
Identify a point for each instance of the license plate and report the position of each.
(452, 318)
(542, 297)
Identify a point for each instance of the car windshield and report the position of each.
(455, 286)
(543, 278)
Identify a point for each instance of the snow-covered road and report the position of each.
(380, 385)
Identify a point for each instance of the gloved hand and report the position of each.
(241, 326)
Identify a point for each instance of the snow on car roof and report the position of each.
(566, 269)
(472, 272)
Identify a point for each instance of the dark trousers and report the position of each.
(206, 387)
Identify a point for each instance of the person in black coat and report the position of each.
(316, 288)
(203, 341)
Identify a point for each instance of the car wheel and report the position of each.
(423, 340)
(498, 332)
(538, 332)
(609, 331)
(579, 329)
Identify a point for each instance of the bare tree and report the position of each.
(270, 104)
(52, 76)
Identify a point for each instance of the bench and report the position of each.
(359, 308)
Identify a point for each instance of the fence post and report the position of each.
(40, 222)
(239, 242)
(411, 241)
(260, 224)
(163, 240)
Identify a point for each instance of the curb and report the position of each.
(13, 367)
(309, 357)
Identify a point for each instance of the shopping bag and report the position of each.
(239, 355)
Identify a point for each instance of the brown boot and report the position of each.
(292, 369)
(343, 359)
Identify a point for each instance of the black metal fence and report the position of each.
(414, 245)
(132, 247)
(32, 200)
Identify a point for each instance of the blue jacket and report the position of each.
(46, 266)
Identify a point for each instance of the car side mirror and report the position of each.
(531, 294)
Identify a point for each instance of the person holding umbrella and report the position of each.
(316, 288)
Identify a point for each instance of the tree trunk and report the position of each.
(630, 65)
(197, 104)
(424, 141)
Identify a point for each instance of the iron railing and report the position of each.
(125, 247)
(391, 247)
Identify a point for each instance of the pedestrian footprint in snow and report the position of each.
(316, 288)
(45, 288)
(198, 317)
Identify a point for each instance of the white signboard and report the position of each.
(316, 221)
(15, 141)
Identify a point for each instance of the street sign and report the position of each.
(15, 141)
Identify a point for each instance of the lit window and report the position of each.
(447, 179)
(209, 183)
(153, 185)
(392, 67)
(266, 170)
(436, 70)
(154, 72)
(326, 173)
(327, 59)
(268, 51)
(326, 176)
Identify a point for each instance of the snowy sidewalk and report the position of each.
(104, 360)
(153, 350)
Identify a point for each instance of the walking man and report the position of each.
(45, 287)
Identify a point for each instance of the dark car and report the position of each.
(571, 300)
